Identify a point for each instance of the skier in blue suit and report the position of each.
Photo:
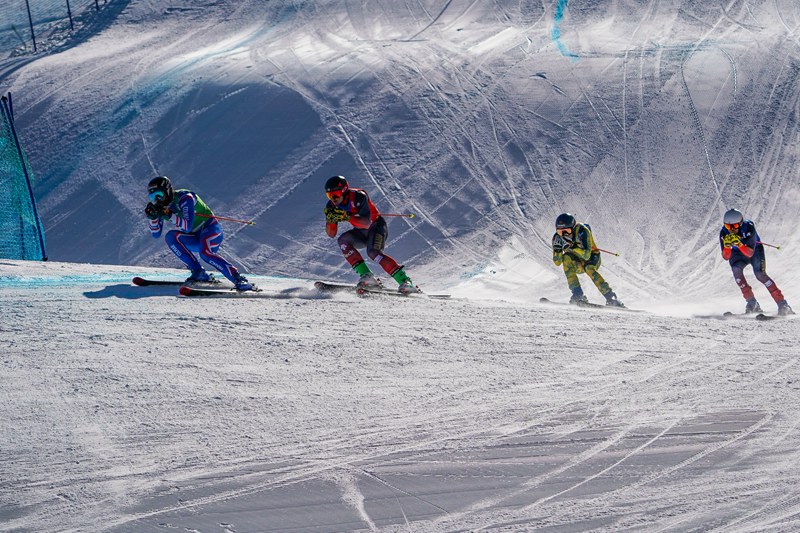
(741, 246)
(198, 231)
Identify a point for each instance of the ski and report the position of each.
(728, 315)
(327, 286)
(723, 316)
(142, 282)
(764, 316)
(227, 293)
(589, 305)
(585, 304)
(365, 292)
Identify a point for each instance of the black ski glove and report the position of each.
(561, 243)
(152, 211)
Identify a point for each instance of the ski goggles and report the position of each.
(732, 226)
(335, 195)
(157, 196)
(564, 231)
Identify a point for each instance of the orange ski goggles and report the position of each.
(335, 195)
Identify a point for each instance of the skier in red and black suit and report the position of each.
(741, 246)
(369, 231)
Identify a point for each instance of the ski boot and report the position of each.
(406, 285)
(369, 281)
(200, 276)
(578, 298)
(784, 309)
(752, 307)
(612, 301)
(241, 284)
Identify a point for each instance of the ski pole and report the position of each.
(606, 251)
(405, 215)
(770, 245)
(248, 222)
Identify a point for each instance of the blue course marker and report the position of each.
(561, 7)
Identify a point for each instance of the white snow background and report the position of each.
(130, 409)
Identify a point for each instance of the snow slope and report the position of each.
(129, 409)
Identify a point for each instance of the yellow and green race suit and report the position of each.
(581, 257)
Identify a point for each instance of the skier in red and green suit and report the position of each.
(197, 231)
(741, 246)
(346, 204)
(574, 249)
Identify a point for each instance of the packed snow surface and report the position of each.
(130, 409)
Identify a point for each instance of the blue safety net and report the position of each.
(20, 225)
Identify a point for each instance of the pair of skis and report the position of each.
(589, 305)
(198, 288)
(326, 286)
(216, 290)
(745, 316)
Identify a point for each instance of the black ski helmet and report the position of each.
(160, 190)
(336, 183)
(565, 220)
(733, 216)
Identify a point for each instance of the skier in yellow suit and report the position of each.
(574, 249)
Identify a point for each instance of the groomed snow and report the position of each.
(130, 409)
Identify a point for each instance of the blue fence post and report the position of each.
(69, 14)
(30, 21)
